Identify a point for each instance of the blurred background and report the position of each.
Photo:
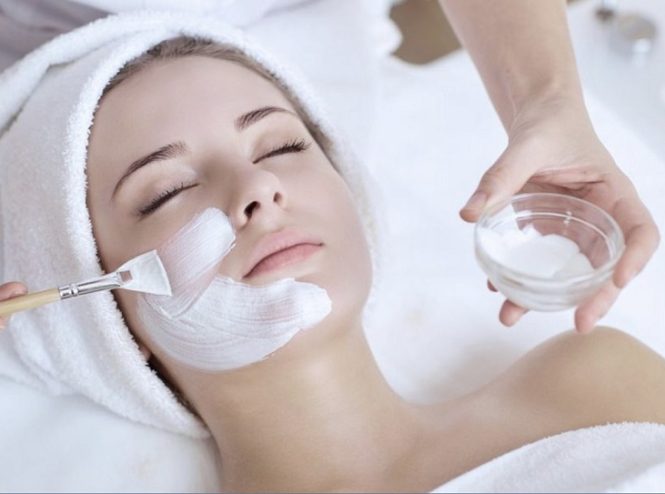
(618, 44)
(427, 35)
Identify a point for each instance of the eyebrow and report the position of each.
(251, 117)
(169, 151)
(179, 148)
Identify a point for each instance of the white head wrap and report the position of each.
(46, 112)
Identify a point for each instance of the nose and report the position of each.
(259, 197)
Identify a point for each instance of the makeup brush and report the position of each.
(144, 273)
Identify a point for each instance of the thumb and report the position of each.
(502, 180)
(12, 289)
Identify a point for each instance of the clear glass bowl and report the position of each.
(530, 246)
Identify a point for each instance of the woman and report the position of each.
(523, 53)
(317, 415)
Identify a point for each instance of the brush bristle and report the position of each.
(147, 274)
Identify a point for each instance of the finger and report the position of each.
(491, 287)
(642, 240)
(503, 179)
(590, 311)
(474, 206)
(12, 289)
(510, 313)
(145, 351)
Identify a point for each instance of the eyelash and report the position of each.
(163, 197)
(294, 146)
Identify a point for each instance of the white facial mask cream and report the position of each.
(213, 323)
(529, 252)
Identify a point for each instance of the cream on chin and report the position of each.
(214, 323)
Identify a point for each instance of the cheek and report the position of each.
(352, 267)
(346, 272)
(114, 248)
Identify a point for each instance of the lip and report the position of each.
(279, 249)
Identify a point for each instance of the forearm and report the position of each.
(522, 50)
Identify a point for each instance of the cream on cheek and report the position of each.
(213, 323)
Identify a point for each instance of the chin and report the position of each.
(310, 345)
(348, 300)
(348, 293)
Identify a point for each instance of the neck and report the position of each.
(316, 415)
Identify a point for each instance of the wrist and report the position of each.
(554, 101)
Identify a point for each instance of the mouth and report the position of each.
(281, 249)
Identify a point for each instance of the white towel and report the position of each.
(427, 168)
(626, 457)
(82, 345)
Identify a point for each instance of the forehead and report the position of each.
(191, 85)
(176, 99)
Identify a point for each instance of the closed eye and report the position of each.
(162, 198)
(294, 146)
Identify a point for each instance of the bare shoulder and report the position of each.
(573, 380)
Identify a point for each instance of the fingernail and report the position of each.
(508, 323)
(476, 201)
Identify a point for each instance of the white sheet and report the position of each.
(437, 133)
(626, 457)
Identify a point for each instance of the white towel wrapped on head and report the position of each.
(49, 100)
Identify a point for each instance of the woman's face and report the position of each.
(262, 169)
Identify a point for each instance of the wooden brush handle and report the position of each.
(29, 301)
